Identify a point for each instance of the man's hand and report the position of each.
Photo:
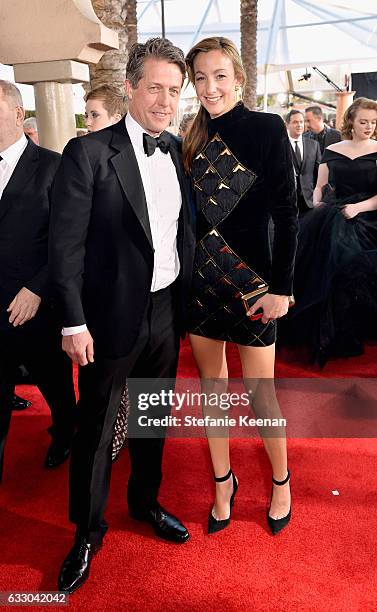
(273, 306)
(79, 347)
(24, 307)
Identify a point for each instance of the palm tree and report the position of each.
(111, 69)
(249, 14)
(131, 23)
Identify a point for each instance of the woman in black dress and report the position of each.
(336, 266)
(242, 171)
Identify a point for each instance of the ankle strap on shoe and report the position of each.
(224, 478)
(282, 482)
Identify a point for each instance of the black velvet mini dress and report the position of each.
(242, 178)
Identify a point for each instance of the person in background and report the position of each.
(336, 267)
(318, 130)
(104, 106)
(29, 333)
(31, 129)
(306, 157)
(186, 123)
(242, 171)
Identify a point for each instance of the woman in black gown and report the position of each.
(336, 266)
(242, 172)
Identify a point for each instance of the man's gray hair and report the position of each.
(157, 48)
(31, 124)
(11, 92)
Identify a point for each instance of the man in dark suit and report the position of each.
(306, 157)
(318, 130)
(28, 333)
(122, 246)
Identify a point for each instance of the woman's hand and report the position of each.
(349, 211)
(273, 306)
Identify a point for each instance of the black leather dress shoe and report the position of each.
(57, 453)
(165, 525)
(19, 403)
(76, 566)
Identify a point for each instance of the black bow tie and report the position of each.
(150, 143)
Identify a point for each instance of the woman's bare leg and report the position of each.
(211, 362)
(258, 373)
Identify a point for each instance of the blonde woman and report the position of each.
(241, 166)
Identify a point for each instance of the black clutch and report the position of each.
(250, 298)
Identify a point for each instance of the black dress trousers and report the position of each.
(153, 358)
(37, 345)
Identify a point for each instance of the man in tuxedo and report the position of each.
(28, 332)
(317, 129)
(306, 157)
(122, 245)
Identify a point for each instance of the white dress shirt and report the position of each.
(300, 145)
(164, 201)
(11, 157)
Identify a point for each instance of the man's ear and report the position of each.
(129, 89)
(20, 116)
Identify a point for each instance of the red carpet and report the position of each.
(325, 560)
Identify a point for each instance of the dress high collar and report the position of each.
(217, 123)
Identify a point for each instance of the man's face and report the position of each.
(33, 134)
(314, 123)
(11, 121)
(296, 125)
(153, 103)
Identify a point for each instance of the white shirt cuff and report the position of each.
(76, 329)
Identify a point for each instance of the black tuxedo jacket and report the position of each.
(24, 221)
(307, 174)
(331, 136)
(101, 252)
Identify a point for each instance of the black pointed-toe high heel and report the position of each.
(213, 524)
(277, 525)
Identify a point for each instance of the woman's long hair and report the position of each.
(197, 137)
(350, 114)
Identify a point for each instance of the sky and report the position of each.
(302, 41)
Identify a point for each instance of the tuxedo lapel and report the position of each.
(305, 153)
(26, 167)
(295, 162)
(128, 173)
(176, 156)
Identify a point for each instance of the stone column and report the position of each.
(53, 98)
(55, 114)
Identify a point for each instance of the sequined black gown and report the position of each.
(336, 266)
(242, 178)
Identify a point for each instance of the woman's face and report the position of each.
(97, 117)
(364, 123)
(215, 82)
